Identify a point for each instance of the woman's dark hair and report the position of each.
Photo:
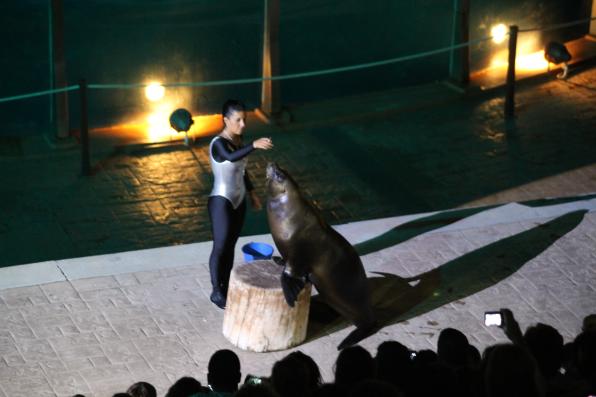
(452, 347)
(394, 364)
(546, 345)
(315, 379)
(262, 390)
(232, 105)
(184, 387)
(290, 377)
(353, 364)
(142, 389)
(511, 372)
(374, 388)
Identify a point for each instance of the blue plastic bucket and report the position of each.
(254, 251)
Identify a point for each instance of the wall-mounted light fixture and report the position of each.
(181, 120)
(557, 53)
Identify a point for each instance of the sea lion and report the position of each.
(313, 250)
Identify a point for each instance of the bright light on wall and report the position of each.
(158, 126)
(529, 56)
(154, 92)
(498, 33)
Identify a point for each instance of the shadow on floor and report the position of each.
(411, 229)
(419, 226)
(396, 299)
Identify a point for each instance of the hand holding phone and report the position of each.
(493, 319)
(511, 327)
(252, 380)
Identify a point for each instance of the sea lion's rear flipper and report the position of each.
(291, 287)
(357, 335)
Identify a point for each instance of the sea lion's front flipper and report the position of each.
(291, 287)
(278, 260)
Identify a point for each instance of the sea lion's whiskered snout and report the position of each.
(274, 173)
(276, 181)
(269, 170)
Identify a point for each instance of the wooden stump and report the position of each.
(257, 317)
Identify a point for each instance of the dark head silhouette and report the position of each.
(224, 371)
(290, 377)
(510, 372)
(452, 348)
(546, 345)
(184, 387)
(353, 365)
(142, 389)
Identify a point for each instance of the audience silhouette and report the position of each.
(536, 363)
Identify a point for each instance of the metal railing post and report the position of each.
(510, 85)
(459, 66)
(85, 161)
(270, 89)
(59, 68)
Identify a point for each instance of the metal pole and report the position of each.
(459, 60)
(85, 161)
(51, 57)
(510, 85)
(270, 95)
(592, 32)
(59, 60)
(453, 30)
(465, 37)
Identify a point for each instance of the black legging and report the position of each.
(226, 224)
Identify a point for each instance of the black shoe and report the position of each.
(219, 299)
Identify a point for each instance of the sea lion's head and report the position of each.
(279, 181)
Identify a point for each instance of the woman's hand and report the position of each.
(255, 201)
(263, 143)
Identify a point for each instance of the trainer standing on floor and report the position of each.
(227, 201)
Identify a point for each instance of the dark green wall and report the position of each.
(192, 40)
